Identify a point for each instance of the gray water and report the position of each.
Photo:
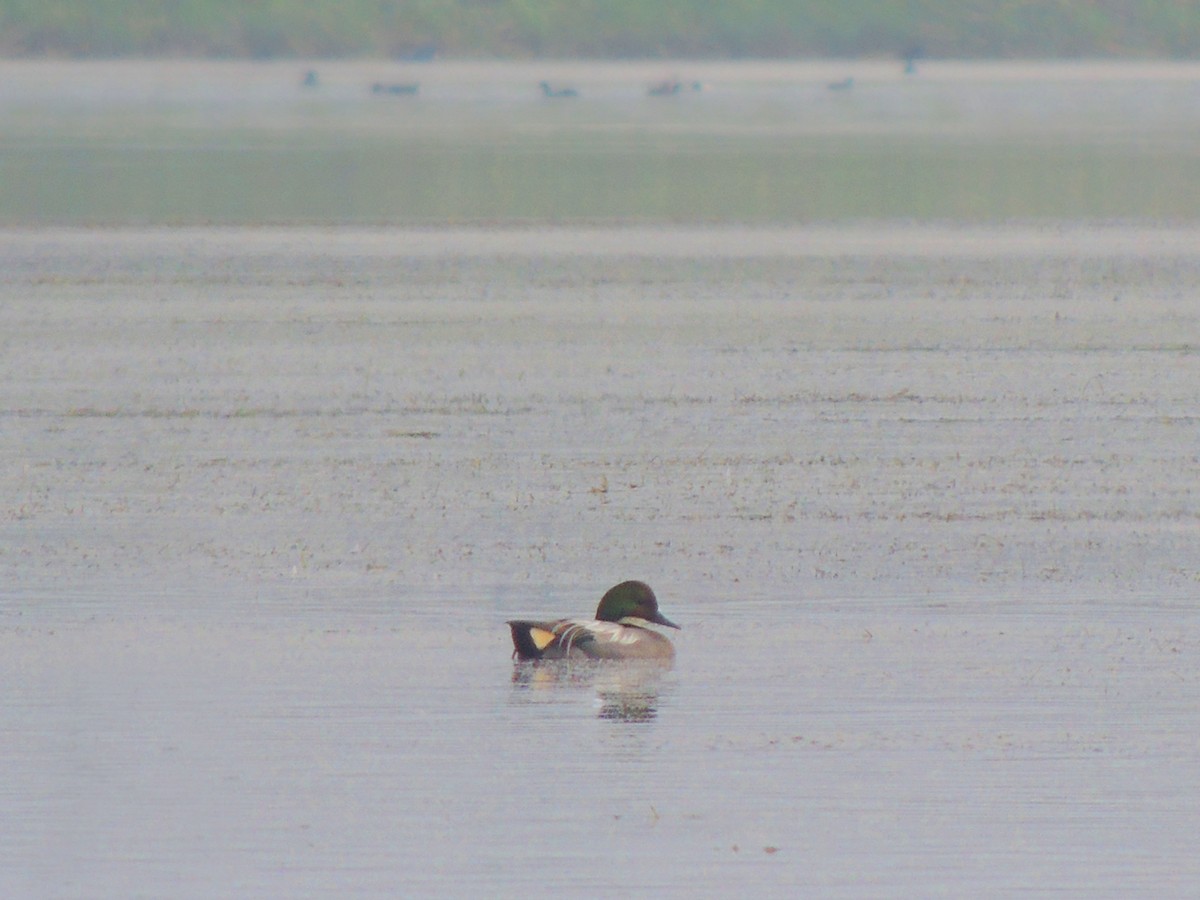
(923, 496)
(244, 143)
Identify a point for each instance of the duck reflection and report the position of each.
(626, 692)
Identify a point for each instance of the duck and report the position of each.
(550, 91)
(619, 630)
(396, 90)
(667, 88)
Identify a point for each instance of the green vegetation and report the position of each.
(599, 28)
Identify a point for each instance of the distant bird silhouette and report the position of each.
(396, 90)
(669, 87)
(844, 85)
(310, 79)
(911, 55)
(548, 91)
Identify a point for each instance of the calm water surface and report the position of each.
(237, 143)
(923, 496)
(869, 751)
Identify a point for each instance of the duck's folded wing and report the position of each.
(562, 639)
(530, 639)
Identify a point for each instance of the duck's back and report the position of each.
(582, 639)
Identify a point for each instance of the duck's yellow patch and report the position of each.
(541, 637)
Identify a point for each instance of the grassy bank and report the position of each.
(598, 28)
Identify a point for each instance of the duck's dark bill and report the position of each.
(660, 619)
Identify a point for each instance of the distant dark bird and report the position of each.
(844, 85)
(395, 90)
(310, 79)
(911, 55)
(667, 88)
(548, 91)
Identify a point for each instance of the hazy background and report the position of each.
(223, 113)
(600, 28)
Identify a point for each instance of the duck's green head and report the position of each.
(631, 600)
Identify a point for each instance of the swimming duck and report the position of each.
(549, 91)
(396, 90)
(667, 88)
(618, 632)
